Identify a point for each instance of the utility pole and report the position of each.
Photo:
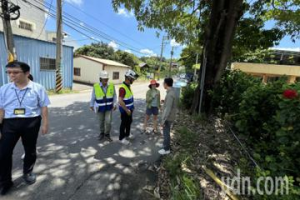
(161, 54)
(8, 35)
(170, 69)
(58, 85)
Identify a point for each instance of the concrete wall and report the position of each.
(31, 15)
(269, 70)
(90, 71)
(121, 70)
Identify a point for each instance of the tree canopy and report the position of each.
(104, 51)
(226, 30)
(186, 21)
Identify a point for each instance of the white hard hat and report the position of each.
(104, 75)
(130, 73)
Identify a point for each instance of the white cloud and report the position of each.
(286, 49)
(114, 45)
(128, 51)
(148, 52)
(173, 43)
(125, 13)
(76, 2)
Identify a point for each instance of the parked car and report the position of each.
(182, 76)
(189, 77)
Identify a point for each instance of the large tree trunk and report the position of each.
(218, 44)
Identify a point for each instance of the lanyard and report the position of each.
(104, 90)
(21, 100)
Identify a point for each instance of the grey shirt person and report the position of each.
(170, 106)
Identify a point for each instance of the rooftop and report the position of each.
(104, 61)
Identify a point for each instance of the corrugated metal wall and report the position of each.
(29, 51)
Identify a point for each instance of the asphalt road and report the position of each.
(73, 164)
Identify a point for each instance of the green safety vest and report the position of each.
(128, 99)
(104, 102)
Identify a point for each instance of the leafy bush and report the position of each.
(228, 93)
(268, 117)
(187, 95)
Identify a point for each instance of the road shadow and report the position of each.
(73, 164)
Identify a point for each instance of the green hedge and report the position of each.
(268, 117)
(187, 95)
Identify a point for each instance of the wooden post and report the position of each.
(58, 85)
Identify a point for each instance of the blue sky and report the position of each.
(121, 29)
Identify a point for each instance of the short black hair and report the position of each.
(169, 82)
(24, 67)
(30, 77)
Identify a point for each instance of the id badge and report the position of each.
(19, 111)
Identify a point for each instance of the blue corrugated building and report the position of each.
(40, 55)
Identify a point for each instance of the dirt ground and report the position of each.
(212, 147)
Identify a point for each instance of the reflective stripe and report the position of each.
(128, 99)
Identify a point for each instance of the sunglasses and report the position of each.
(13, 72)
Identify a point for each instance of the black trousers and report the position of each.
(126, 121)
(12, 130)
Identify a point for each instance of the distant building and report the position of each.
(31, 22)
(41, 56)
(87, 69)
(67, 39)
(175, 65)
(284, 56)
(144, 66)
(269, 72)
(32, 47)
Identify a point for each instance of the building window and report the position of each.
(26, 26)
(47, 64)
(77, 71)
(116, 76)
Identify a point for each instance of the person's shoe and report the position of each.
(130, 137)
(124, 141)
(108, 138)
(164, 152)
(29, 178)
(101, 137)
(5, 188)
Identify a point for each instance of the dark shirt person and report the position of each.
(126, 106)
